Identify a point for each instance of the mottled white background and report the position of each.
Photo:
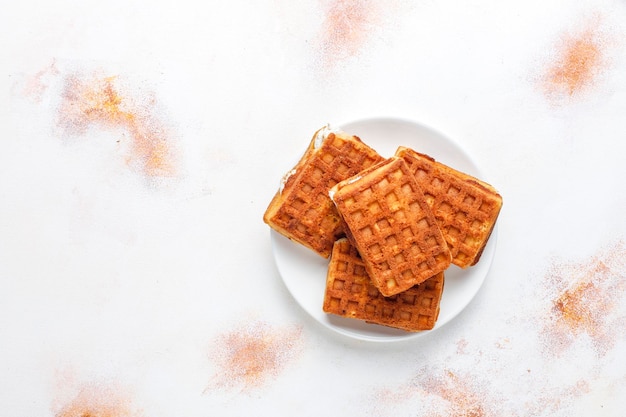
(117, 280)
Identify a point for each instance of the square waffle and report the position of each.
(350, 293)
(392, 226)
(301, 209)
(465, 208)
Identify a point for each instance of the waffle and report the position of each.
(350, 293)
(465, 208)
(392, 226)
(301, 209)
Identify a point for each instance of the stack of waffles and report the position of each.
(390, 227)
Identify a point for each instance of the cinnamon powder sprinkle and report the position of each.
(443, 393)
(551, 400)
(463, 398)
(578, 61)
(99, 401)
(99, 102)
(250, 355)
(34, 86)
(347, 26)
(586, 300)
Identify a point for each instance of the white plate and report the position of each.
(304, 272)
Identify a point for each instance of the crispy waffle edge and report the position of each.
(436, 262)
(357, 298)
(321, 237)
(479, 186)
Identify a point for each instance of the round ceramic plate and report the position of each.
(304, 272)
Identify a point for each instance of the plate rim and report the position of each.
(485, 264)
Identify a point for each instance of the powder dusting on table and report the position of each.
(577, 63)
(34, 86)
(442, 393)
(252, 354)
(99, 401)
(585, 300)
(461, 346)
(347, 27)
(549, 399)
(99, 101)
(463, 396)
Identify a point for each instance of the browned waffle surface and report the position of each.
(350, 293)
(302, 210)
(392, 226)
(465, 207)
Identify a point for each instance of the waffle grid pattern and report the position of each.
(350, 293)
(465, 211)
(392, 227)
(307, 213)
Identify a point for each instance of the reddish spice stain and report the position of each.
(251, 354)
(34, 86)
(586, 299)
(347, 26)
(443, 393)
(464, 399)
(504, 343)
(578, 61)
(99, 401)
(550, 400)
(461, 346)
(98, 102)
(447, 393)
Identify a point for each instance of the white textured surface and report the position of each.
(112, 277)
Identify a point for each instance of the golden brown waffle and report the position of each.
(302, 210)
(465, 208)
(390, 223)
(350, 293)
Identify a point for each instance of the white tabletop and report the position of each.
(143, 141)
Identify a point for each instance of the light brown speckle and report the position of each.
(252, 354)
(348, 26)
(584, 300)
(443, 393)
(34, 86)
(578, 61)
(97, 400)
(96, 101)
